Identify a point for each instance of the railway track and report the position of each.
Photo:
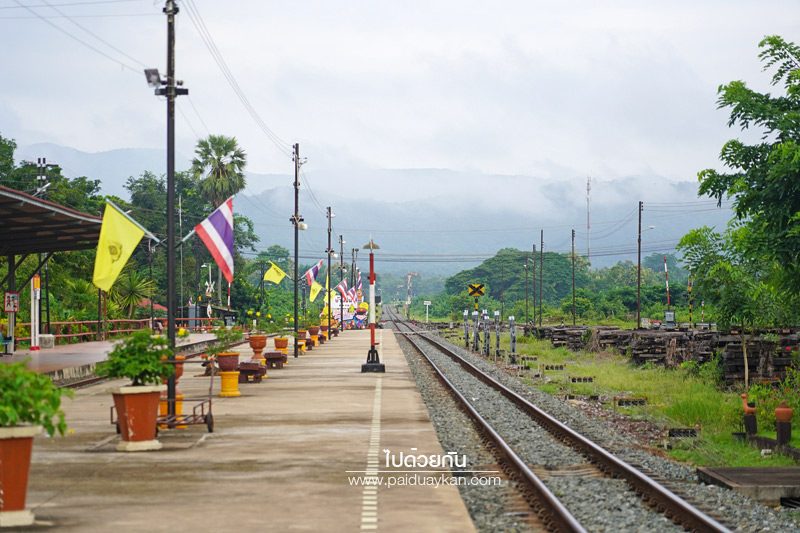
(542, 452)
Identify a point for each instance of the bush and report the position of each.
(27, 397)
(139, 358)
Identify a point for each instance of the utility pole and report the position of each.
(41, 183)
(296, 218)
(526, 290)
(262, 268)
(328, 274)
(341, 276)
(541, 272)
(353, 267)
(573, 277)
(533, 281)
(171, 91)
(639, 271)
(588, 219)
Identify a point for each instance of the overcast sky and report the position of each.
(553, 89)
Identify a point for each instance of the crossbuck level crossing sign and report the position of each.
(475, 289)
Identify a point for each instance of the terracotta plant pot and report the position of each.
(258, 343)
(281, 342)
(783, 413)
(313, 331)
(302, 334)
(137, 412)
(228, 361)
(16, 443)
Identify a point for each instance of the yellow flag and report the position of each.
(315, 288)
(274, 274)
(119, 237)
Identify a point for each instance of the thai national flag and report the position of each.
(342, 288)
(311, 273)
(216, 232)
(358, 283)
(351, 295)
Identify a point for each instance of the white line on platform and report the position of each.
(369, 494)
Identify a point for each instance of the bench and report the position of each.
(5, 342)
(251, 372)
(275, 359)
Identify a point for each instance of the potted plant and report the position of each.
(140, 358)
(227, 361)
(258, 341)
(28, 402)
(219, 349)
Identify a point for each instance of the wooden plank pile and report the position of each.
(767, 359)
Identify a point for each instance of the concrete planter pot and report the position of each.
(228, 361)
(137, 412)
(281, 343)
(16, 443)
(258, 343)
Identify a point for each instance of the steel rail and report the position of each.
(677, 509)
(556, 516)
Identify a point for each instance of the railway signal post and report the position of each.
(373, 363)
(497, 331)
(466, 329)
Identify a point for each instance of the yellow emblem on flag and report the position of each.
(274, 274)
(315, 289)
(119, 237)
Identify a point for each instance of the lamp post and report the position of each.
(209, 289)
(171, 88)
(341, 276)
(297, 222)
(373, 363)
(331, 253)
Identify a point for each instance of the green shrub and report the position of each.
(139, 358)
(27, 397)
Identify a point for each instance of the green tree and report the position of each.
(219, 168)
(763, 181)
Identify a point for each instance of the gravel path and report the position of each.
(734, 510)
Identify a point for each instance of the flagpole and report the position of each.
(328, 274)
(132, 221)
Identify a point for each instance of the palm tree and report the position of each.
(130, 289)
(219, 168)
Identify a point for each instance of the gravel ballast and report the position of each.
(733, 509)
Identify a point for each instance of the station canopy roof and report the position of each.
(32, 225)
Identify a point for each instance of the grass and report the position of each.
(675, 398)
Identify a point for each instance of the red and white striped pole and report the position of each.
(373, 363)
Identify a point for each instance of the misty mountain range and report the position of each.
(435, 221)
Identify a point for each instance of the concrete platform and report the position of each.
(767, 485)
(64, 356)
(282, 457)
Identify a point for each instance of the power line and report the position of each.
(208, 41)
(78, 39)
(92, 16)
(60, 4)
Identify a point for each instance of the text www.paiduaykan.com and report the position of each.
(424, 480)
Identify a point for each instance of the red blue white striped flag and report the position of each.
(311, 273)
(342, 288)
(216, 232)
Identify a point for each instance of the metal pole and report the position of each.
(181, 301)
(639, 272)
(541, 272)
(170, 9)
(573, 277)
(150, 264)
(533, 282)
(296, 221)
(341, 276)
(328, 275)
(526, 290)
